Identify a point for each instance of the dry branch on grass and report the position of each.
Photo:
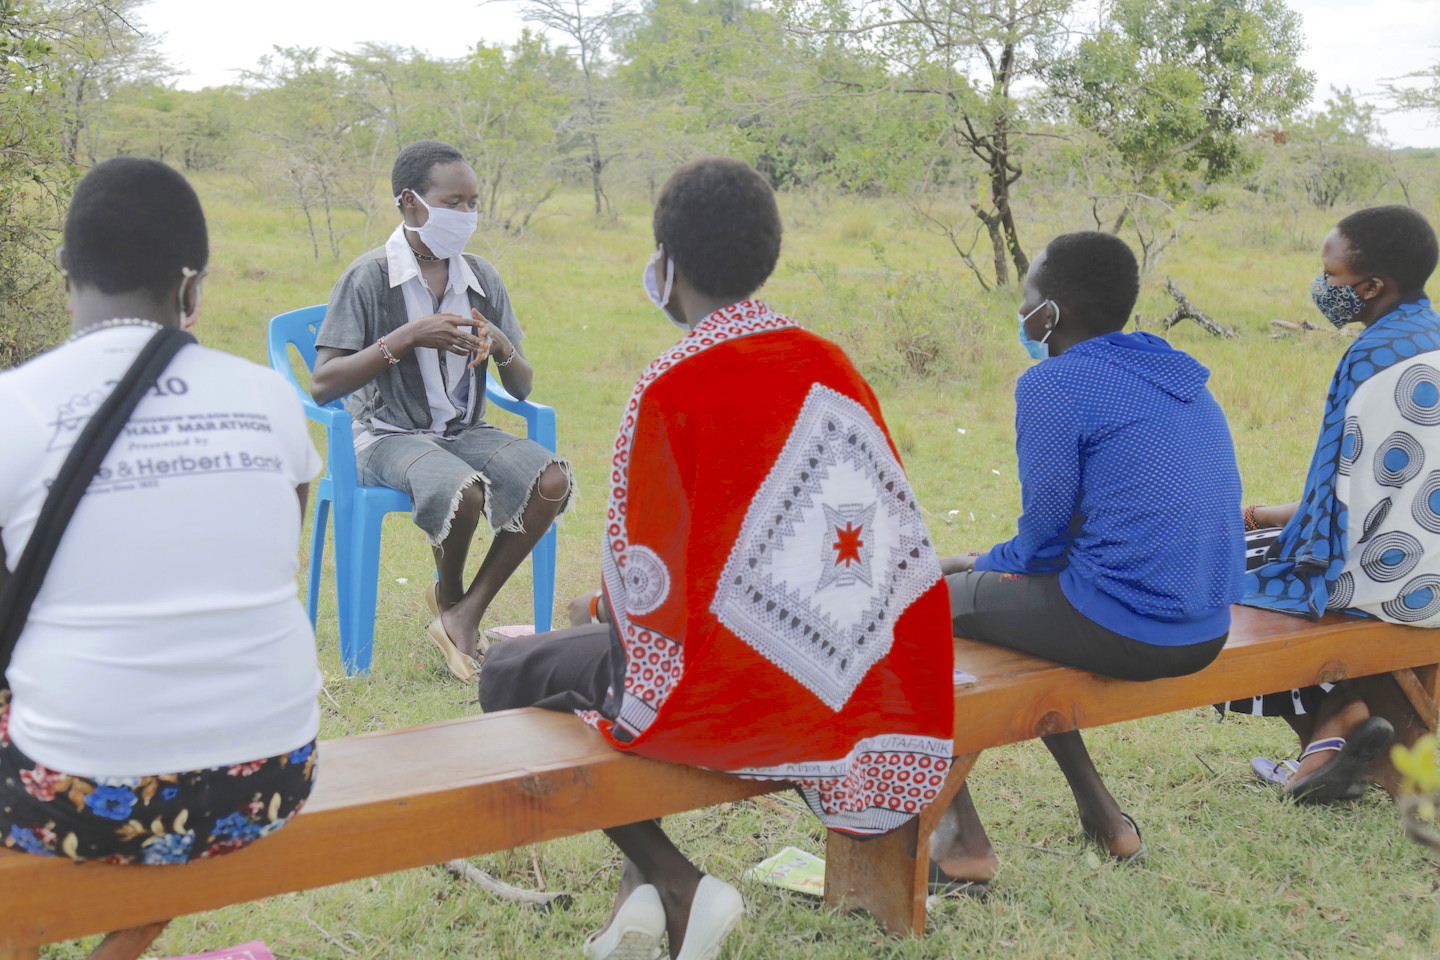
(462, 870)
(1285, 328)
(1185, 310)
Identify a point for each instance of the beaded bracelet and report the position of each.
(390, 358)
(1249, 515)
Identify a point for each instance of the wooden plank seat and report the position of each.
(384, 801)
(1017, 698)
(421, 795)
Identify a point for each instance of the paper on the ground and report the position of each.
(792, 869)
(962, 678)
(254, 950)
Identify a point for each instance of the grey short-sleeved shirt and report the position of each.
(364, 307)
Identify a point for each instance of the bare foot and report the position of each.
(1117, 834)
(981, 869)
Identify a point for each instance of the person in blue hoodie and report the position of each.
(1129, 549)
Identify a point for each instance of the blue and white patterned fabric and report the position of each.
(1366, 538)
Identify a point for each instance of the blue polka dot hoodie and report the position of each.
(1129, 489)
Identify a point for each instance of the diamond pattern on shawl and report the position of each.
(832, 551)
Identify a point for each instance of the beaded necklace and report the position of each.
(113, 322)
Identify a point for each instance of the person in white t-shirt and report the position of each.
(162, 703)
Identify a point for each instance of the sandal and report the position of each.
(1277, 773)
(432, 598)
(1104, 844)
(464, 668)
(1337, 779)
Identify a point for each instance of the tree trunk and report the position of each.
(596, 165)
(997, 244)
(1120, 220)
(1000, 172)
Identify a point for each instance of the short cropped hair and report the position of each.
(718, 221)
(1094, 274)
(413, 166)
(134, 224)
(1394, 240)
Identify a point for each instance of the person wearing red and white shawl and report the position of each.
(775, 607)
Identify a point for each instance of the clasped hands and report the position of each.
(452, 333)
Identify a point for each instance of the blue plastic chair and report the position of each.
(359, 508)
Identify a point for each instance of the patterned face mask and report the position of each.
(1339, 303)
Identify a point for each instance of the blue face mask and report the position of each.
(1339, 303)
(1038, 349)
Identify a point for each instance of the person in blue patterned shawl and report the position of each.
(1364, 538)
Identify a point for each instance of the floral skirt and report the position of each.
(169, 818)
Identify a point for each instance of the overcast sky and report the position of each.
(1354, 43)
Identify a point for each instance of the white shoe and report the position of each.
(635, 932)
(717, 908)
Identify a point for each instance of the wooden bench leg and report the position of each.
(128, 944)
(887, 877)
(1407, 698)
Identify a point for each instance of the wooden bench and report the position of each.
(1018, 698)
(422, 795)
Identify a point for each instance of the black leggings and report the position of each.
(1032, 615)
(564, 670)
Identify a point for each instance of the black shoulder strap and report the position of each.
(73, 480)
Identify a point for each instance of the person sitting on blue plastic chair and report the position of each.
(408, 333)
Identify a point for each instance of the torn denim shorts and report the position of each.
(435, 469)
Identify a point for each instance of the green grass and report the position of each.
(1232, 872)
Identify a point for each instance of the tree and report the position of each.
(1171, 90)
(591, 33)
(193, 129)
(101, 47)
(970, 57)
(718, 76)
(319, 136)
(512, 106)
(1334, 152)
(1405, 96)
(500, 106)
(35, 177)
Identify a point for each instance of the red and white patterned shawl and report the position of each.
(771, 579)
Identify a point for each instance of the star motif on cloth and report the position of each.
(831, 553)
(847, 548)
(846, 558)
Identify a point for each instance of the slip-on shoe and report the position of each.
(635, 931)
(713, 914)
(464, 668)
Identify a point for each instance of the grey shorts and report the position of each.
(434, 470)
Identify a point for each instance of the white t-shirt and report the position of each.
(167, 635)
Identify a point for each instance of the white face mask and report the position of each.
(446, 231)
(187, 323)
(657, 296)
